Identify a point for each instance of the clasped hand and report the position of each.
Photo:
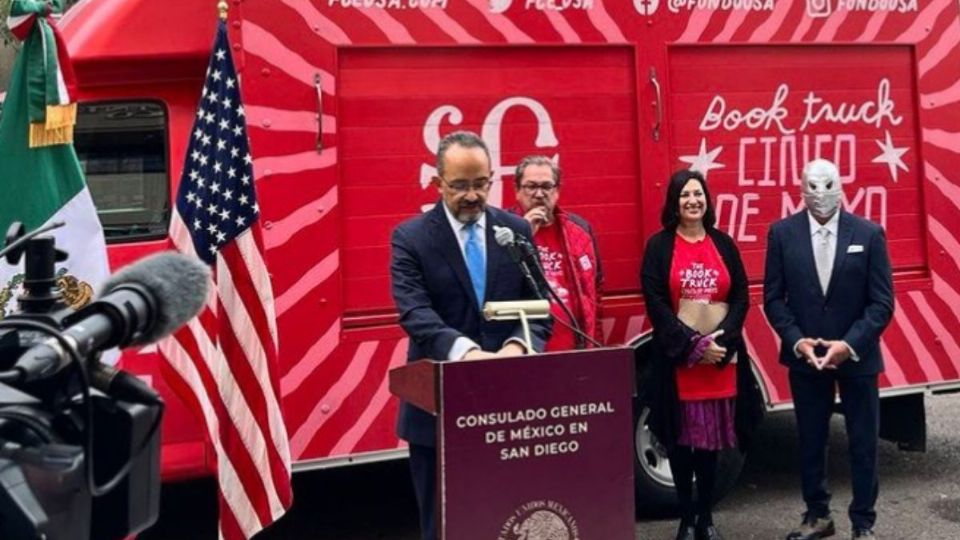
(714, 353)
(837, 353)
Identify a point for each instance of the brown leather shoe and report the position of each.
(813, 529)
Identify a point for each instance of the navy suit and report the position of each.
(857, 307)
(437, 304)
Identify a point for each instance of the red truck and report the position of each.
(347, 99)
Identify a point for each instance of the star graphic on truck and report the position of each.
(704, 161)
(892, 156)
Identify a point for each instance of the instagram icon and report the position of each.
(818, 8)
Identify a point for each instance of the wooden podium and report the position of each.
(531, 446)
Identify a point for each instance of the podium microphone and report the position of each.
(506, 239)
(523, 253)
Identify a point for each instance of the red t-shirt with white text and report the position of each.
(698, 273)
(555, 263)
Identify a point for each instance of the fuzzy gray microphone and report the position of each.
(140, 304)
(177, 286)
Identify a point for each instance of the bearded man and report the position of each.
(828, 292)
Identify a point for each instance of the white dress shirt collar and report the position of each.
(832, 224)
(458, 226)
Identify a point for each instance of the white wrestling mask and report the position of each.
(821, 188)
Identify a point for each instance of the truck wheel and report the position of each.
(655, 493)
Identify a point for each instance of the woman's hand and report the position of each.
(714, 353)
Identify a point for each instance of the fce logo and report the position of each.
(499, 6)
(646, 7)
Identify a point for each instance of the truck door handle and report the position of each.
(318, 85)
(658, 104)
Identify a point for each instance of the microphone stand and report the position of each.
(529, 256)
(532, 281)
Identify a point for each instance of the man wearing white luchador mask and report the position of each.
(828, 292)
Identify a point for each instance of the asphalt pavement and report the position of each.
(919, 493)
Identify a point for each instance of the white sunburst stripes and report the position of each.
(311, 361)
(950, 190)
(345, 384)
(283, 120)
(935, 322)
(261, 42)
(311, 279)
(453, 27)
(947, 41)
(348, 441)
(735, 21)
(317, 22)
(950, 296)
(503, 24)
(270, 118)
(931, 370)
(766, 30)
(310, 213)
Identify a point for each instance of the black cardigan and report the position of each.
(672, 340)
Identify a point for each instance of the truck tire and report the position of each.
(654, 490)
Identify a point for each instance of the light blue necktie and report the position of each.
(473, 254)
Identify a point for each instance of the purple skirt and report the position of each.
(708, 424)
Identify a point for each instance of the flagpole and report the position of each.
(222, 7)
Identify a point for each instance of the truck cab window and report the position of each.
(123, 152)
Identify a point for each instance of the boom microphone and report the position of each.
(177, 283)
(138, 305)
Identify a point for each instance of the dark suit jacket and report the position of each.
(672, 339)
(859, 300)
(436, 301)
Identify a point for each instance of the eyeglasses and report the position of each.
(466, 186)
(531, 189)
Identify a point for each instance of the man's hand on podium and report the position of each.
(512, 349)
(479, 354)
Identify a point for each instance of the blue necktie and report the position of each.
(473, 253)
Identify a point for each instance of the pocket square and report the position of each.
(855, 248)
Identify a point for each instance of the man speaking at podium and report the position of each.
(445, 264)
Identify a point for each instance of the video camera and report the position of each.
(80, 440)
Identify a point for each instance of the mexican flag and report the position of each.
(40, 176)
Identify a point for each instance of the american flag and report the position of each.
(223, 363)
